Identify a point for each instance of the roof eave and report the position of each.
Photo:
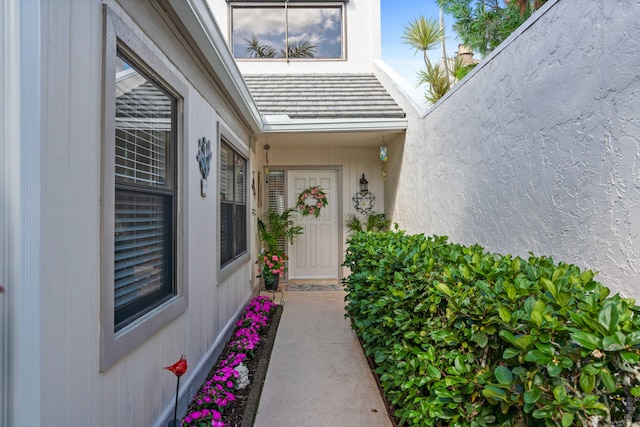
(285, 124)
(196, 15)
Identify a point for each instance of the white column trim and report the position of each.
(9, 93)
(20, 336)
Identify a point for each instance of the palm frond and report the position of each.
(423, 34)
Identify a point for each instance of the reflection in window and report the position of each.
(287, 31)
(144, 194)
(233, 205)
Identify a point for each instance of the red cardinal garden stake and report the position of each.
(178, 369)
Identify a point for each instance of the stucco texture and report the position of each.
(538, 149)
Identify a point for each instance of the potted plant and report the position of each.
(273, 267)
(274, 230)
(373, 221)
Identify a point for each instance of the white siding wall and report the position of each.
(135, 390)
(538, 149)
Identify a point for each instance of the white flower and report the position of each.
(243, 377)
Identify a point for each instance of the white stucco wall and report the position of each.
(539, 149)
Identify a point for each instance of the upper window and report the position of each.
(144, 229)
(288, 31)
(233, 204)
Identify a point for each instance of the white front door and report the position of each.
(314, 255)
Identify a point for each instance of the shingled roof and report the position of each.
(313, 96)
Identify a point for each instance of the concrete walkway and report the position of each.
(318, 375)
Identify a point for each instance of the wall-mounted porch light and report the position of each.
(364, 185)
(363, 201)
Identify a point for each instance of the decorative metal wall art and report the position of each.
(204, 161)
(364, 200)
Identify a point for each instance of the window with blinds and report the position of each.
(277, 198)
(233, 204)
(276, 191)
(144, 194)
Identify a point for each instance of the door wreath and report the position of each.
(315, 193)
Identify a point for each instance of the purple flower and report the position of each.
(216, 393)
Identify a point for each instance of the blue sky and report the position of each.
(395, 15)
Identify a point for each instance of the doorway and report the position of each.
(314, 255)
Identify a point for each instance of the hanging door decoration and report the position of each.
(311, 201)
(204, 161)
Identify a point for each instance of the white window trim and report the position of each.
(231, 139)
(113, 346)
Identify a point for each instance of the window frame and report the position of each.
(227, 137)
(297, 4)
(114, 345)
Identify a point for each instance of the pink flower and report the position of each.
(274, 257)
(320, 205)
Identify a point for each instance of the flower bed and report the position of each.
(221, 399)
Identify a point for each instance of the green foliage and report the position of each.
(277, 228)
(373, 221)
(463, 337)
(484, 24)
(437, 80)
(423, 34)
(460, 69)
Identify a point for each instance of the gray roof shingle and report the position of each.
(337, 96)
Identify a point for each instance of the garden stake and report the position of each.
(178, 369)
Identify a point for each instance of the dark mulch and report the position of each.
(242, 411)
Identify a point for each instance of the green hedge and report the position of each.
(465, 337)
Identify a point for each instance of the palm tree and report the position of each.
(442, 43)
(255, 49)
(275, 229)
(299, 49)
(460, 69)
(438, 81)
(423, 34)
(295, 49)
